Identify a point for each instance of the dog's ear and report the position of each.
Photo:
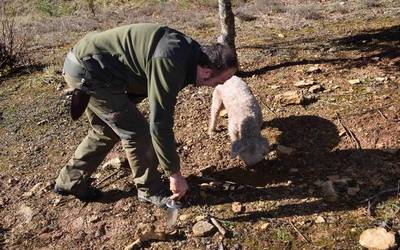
(237, 147)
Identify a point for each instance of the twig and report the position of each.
(297, 230)
(349, 133)
(270, 110)
(380, 112)
(108, 177)
(381, 193)
(373, 200)
(220, 228)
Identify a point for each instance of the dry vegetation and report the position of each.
(349, 136)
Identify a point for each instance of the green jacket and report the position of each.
(148, 60)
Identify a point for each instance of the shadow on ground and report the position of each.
(380, 44)
(316, 158)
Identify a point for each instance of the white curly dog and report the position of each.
(244, 120)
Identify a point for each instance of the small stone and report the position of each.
(203, 228)
(354, 81)
(184, 217)
(200, 217)
(353, 191)
(281, 35)
(316, 88)
(93, 219)
(293, 170)
(284, 150)
(57, 201)
(314, 69)
(26, 213)
(264, 226)
(304, 83)
(380, 79)
(274, 86)
(377, 238)
(115, 163)
(237, 207)
(320, 220)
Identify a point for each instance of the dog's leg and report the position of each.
(216, 107)
(233, 130)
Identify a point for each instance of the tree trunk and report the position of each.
(227, 20)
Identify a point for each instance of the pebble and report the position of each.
(320, 220)
(354, 81)
(377, 238)
(237, 207)
(203, 228)
(284, 150)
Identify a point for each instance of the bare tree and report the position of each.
(227, 20)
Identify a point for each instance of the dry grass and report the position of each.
(12, 42)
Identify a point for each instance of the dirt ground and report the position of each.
(349, 136)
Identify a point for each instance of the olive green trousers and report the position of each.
(112, 118)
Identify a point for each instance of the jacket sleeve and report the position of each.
(166, 78)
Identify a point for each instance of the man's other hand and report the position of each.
(178, 186)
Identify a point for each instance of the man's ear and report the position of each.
(203, 72)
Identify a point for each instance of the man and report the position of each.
(110, 71)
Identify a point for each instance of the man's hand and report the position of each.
(178, 186)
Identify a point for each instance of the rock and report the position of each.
(380, 79)
(184, 217)
(329, 191)
(200, 218)
(320, 220)
(274, 86)
(281, 35)
(293, 170)
(377, 238)
(203, 228)
(316, 88)
(304, 83)
(264, 226)
(115, 163)
(284, 150)
(314, 69)
(94, 219)
(26, 213)
(237, 207)
(354, 81)
(33, 190)
(290, 97)
(353, 191)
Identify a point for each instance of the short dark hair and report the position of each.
(218, 57)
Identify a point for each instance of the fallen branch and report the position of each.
(220, 228)
(108, 177)
(380, 112)
(381, 193)
(373, 200)
(349, 133)
(297, 230)
(270, 110)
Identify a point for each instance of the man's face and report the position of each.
(206, 77)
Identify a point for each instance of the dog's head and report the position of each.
(250, 150)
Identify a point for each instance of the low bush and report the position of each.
(13, 50)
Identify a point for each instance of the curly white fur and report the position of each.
(244, 120)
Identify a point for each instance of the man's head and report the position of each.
(217, 63)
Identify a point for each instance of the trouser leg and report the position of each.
(122, 116)
(88, 156)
